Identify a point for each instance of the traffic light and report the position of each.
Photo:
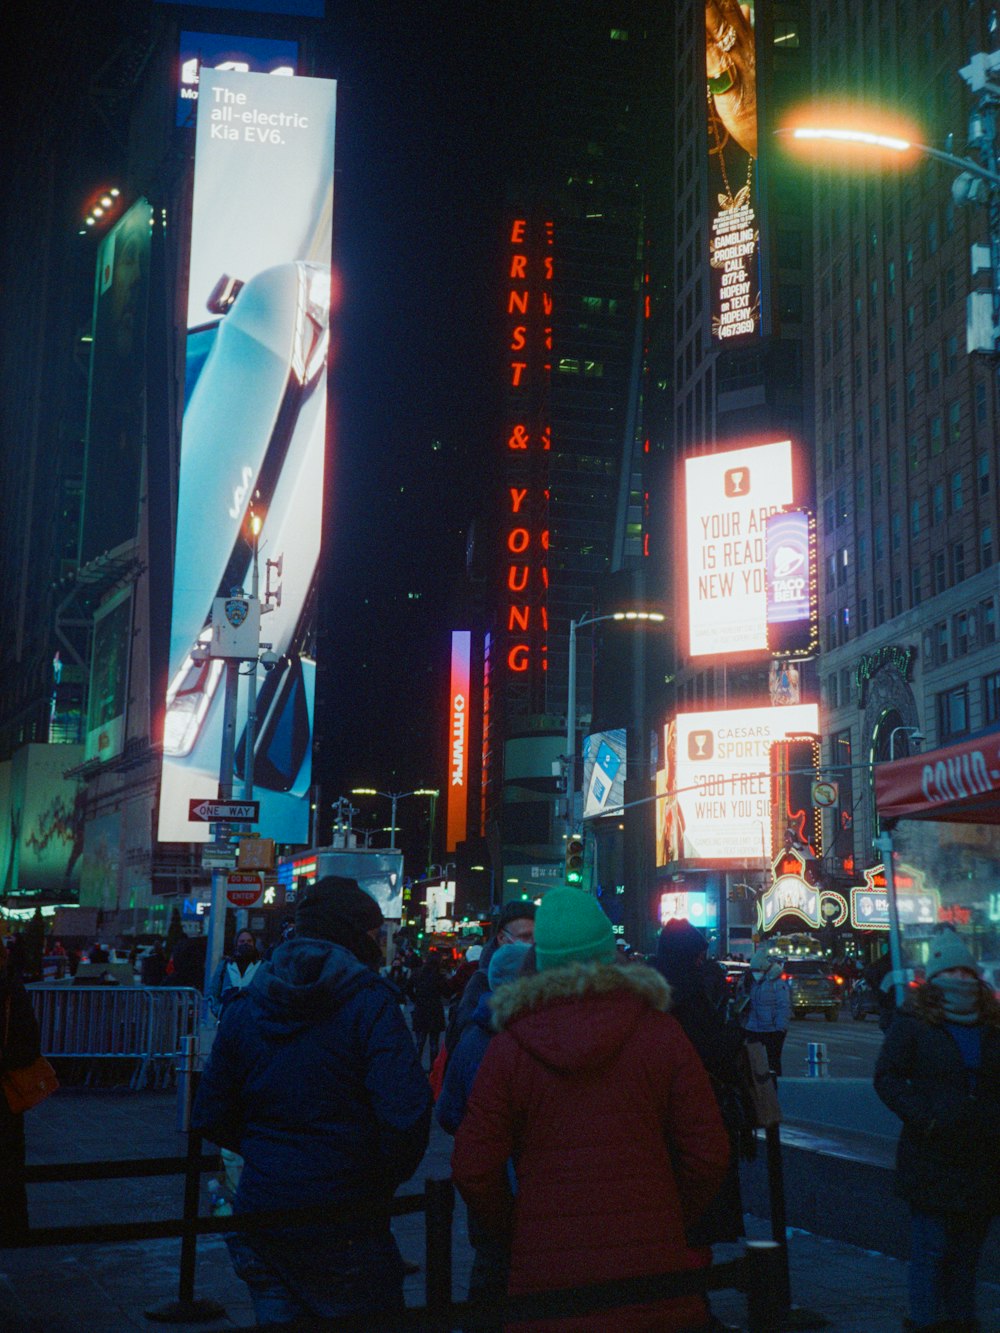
(574, 858)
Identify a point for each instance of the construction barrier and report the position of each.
(144, 1024)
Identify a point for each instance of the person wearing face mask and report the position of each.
(939, 1071)
(235, 971)
(769, 1006)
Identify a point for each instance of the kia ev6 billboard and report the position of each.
(254, 434)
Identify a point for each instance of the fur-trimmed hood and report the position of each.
(578, 1016)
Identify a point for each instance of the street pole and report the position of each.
(571, 731)
(217, 919)
(883, 844)
(392, 831)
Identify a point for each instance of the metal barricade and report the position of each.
(140, 1023)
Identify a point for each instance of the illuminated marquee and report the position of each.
(792, 893)
(458, 738)
(729, 498)
(916, 904)
(526, 537)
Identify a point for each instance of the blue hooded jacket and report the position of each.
(314, 1079)
(463, 1065)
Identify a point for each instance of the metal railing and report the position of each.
(140, 1023)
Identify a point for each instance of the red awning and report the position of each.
(960, 783)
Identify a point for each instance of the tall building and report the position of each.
(906, 436)
(570, 510)
(731, 343)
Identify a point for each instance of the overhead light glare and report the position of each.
(853, 136)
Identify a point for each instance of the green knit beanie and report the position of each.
(571, 928)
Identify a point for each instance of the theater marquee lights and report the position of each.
(528, 440)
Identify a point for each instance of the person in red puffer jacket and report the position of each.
(595, 1094)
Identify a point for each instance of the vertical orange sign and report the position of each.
(458, 737)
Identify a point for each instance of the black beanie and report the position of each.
(338, 909)
(521, 909)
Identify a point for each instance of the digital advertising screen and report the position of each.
(41, 821)
(604, 773)
(116, 407)
(723, 777)
(254, 435)
(107, 697)
(729, 498)
(734, 236)
(458, 738)
(244, 55)
(792, 610)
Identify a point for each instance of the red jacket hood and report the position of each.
(578, 1017)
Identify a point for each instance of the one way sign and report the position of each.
(207, 812)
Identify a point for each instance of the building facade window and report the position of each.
(987, 618)
(940, 572)
(960, 633)
(957, 562)
(915, 589)
(983, 474)
(991, 697)
(953, 713)
(986, 547)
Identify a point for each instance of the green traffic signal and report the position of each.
(574, 859)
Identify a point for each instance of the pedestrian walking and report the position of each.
(593, 1090)
(427, 989)
(313, 1078)
(20, 1046)
(153, 966)
(515, 923)
(236, 970)
(939, 1071)
(769, 1005)
(682, 959)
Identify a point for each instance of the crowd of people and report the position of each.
(599, 1109)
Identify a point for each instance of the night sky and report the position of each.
(431, 125)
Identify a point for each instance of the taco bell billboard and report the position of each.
(790, 550)
(254, 434)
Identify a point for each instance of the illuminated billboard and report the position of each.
(41, 821)
(603, 773)
(254, 433)
(734, 239)
(458, 738)
(730, 496)
(722, 805)
(116, 408)
(210, 50)
(108, 694)
(790, 560)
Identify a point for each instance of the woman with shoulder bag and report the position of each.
(20, 1046)
(769, 1009)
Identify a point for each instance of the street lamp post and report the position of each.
(570, 758)
(912, 733)
(395, 797)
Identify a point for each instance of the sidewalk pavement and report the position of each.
(106, 1288)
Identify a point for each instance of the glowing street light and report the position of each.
(395, 797)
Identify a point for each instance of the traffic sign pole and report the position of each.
(217, 920)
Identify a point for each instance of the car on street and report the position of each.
(814, 990)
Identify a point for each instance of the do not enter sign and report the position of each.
(243, 889)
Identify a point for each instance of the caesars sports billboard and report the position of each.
(254, 435)
(729, 497)
(723, 778)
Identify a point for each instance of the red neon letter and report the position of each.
(519, 540)
(518, 301)
(517, 578)
(518, 264)
(518, 438)
(516, 367)
(517, 658)
(548, 266)
(517, 498)
(517, 338)
(518, 618)
(517, 232)
(546, 302)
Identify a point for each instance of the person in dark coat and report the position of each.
(939, 1071)
(427, 989)
(153, 968)
(314, 1080)
(681, 956)
(593, 1090)
(516, 922)
(769, 1007)
(20, 1046)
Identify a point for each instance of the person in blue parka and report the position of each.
(314, 1080)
